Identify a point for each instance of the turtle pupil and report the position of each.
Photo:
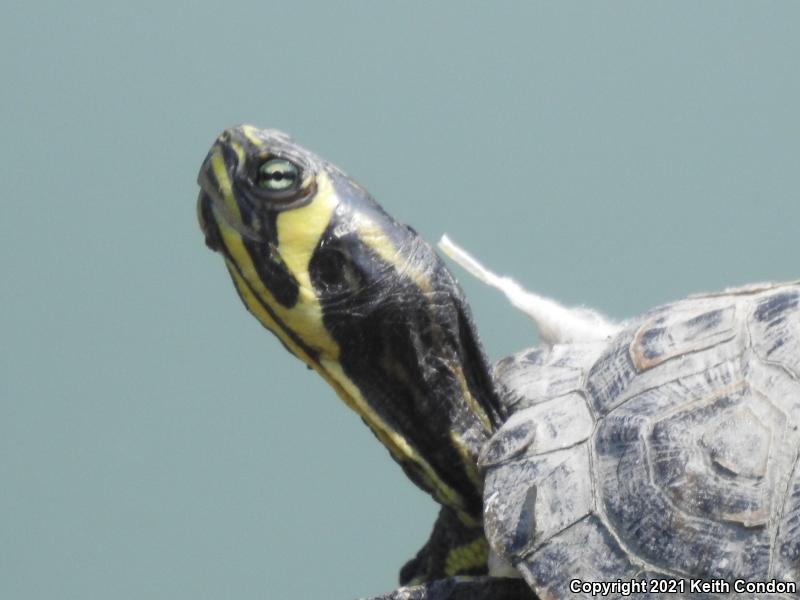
(277, 174)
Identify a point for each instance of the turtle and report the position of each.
(655, 456)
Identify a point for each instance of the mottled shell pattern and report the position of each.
(669, 451)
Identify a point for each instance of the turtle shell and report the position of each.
(668, 452)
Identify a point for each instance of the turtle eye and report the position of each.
(278, 175)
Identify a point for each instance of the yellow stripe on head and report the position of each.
(374, 237)
(252, 134)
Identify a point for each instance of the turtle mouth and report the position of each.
(208, 224)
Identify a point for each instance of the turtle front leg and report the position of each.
(465, 588)
(453, 549)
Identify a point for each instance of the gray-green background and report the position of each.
(154, 441)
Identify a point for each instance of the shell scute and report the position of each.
(538, 375)
(542, 495)
(775, 328)
(739, 445)
(664, 489)
(543, 427)
(787, 557)
(667, 345)
(512, 439)
(675, 333)
(585, 551)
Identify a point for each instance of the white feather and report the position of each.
(556, 323)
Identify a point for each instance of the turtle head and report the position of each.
(358, 297)
(248, 178)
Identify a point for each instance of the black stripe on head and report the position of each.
(273, 273)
